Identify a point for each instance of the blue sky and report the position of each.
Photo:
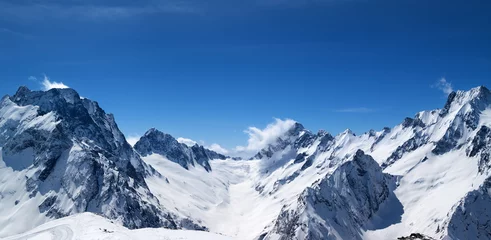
(208, 70)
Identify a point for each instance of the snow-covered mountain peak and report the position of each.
(157, 142)
(66, 156)
(347, 132)
(479, 97)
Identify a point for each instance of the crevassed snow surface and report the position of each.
(89, 226)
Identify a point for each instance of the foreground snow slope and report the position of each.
(89, 226)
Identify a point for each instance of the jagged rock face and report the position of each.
(78, 120)
(468, 107)
(410, 145)
(481, 145)
(155, 141)
(338, 206)
(412, 122)
(471, 218)
(76, 159)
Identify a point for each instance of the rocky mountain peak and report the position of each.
(477, 97)
(155, 141)
(75, 159)
(347, 132)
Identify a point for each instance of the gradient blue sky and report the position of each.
(207, 70)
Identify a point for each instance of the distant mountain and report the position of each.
(155, 141)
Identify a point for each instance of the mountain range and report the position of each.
(64, 163)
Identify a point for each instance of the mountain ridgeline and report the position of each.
(428, 176)
(155, 141)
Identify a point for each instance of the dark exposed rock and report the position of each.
(410, 145)
(413, 122)
(416, 236)
(446, 108)
(481, 145)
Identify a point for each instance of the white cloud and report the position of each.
(133, 139)
(259, 139)
(47, 84)
(186, 141)
(355, 110)
(444, 86)
(217, 148)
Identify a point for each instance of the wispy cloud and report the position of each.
(32, 78)
(47, 84)
(444, 86)
(89, 11)
(187, 141)
(355, 110)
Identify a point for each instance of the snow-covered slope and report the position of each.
(340, 205)
(89, 226)
(426, 175)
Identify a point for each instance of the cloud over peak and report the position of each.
(260, 138)
(47, 84)
(187, 141)
(444, 86)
